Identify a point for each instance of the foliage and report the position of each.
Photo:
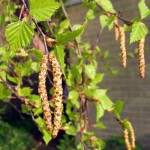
(20, 64)
(12, 138)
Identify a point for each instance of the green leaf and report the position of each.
(103, 20)
(37, 54)
(12, 79)
(106, 102)
(73, 96)
(144, 10)
(106, 5)
(118, 108)
(65, 37)
(40, 122)
(100, 125)
(26, 91)
(46, 136)
(90, 15)
(19, 34)
(139, 31)
(99, 111)
(43, 10)
(4, 93)
(59, 53)
(64, 25)
(70, 129)
(90, 71)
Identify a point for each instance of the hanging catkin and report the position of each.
(132, 135)
(141, 58)
(123, 47)
(126, 139)
(116, 30)
(58, 91)
(43, 93)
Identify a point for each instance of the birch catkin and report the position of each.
(141, 58)
(116, 30)
(123, 47)
(126, 138)
(58, 91)
(132, 135)
(43, 93)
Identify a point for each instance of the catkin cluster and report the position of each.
(122, 46)
(57, 97)
(43, 93)
(57, 82)
(129, 140)
(141, 58)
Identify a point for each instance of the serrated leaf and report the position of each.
(90, 71)
(99, 111)
(139, 31)
(106, 5)
(60, 54)
(19, 34)
(144, 10)
(43, 10)
(65, 37)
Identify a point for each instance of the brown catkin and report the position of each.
(123, 47)
(58, 92)
(141, 58)
(43, 93)
(132, 135)
(126, 139)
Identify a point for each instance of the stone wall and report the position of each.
(126, 85)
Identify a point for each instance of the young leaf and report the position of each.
(105, 101)
(26, 91)
(19, 34)
(43, 10)
(46, 136)
(139, 31)
(59, 53)
(118, 108)
(73, 96)
(65, 37)
(90, 71)
(107, 5)
(99, 111)
(103, 20)
(144, 10)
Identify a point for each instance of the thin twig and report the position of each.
(21, 12)
(70, 27)
(118, 15)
